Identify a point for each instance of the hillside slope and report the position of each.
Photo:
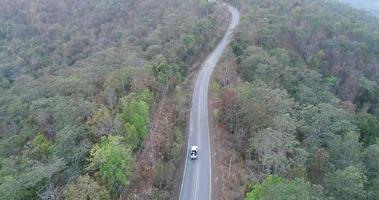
(303, 122)
(79, 82)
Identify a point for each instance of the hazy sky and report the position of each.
(370, 5)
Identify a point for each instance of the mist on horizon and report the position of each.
(372, 6)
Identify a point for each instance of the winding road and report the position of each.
(196, 182)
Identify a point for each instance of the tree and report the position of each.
(73, 146)
(345, 151)
(368, 95)
(368, 126)
(114, 161)
(116, 83)
(371, 160)
(319, 124)
(317, 167)
(272, 148)
(253, 56)
(166, 75)
(260, 189)
(136, 117)
(275, 187)
(42, 147)
(371, 163)
(372, 189)
(30, 182)
(85, 188)
(102, 122)
(347, 184)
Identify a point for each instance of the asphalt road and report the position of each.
(197, 183)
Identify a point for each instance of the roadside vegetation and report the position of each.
(299, 97)
(80, 83)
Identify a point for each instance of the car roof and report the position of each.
(194, 148)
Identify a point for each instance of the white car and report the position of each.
(193, 152)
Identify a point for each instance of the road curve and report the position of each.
(196, 182)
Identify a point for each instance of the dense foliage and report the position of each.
(78, 83)
(306, 116)
(275, 187)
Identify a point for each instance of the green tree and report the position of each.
(368, 126)
(344, 151)
(371, 160)
(319, 124)
(372, 189)
(260, 189)
(136, 117)
(371, 163)
(42, 147)
(274, 187)
(347, 184)
(166, 75)
(114, 161)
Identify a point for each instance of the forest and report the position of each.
(79, 82)
(83, 84)
(298, 93)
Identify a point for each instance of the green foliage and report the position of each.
(176, 146)
(371, 161)
(29, 183)
(347, 184)
(42, 147)
(319, 124)
(345, 151)
(85, 188)
(372, 189)
(73, 146)
(274, 187)
(368, 126)
(136, 118)
(166, 75)
(315, 114)
(321, 36)
(114, 161)
(331, 81)
(261, 103)
(262, 120)
(260, 189)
